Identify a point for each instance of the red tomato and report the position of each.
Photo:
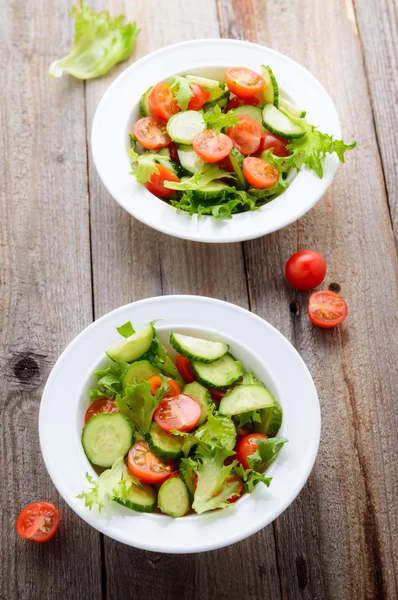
(327, 309)
(147, 467)
(157, 382)
(245, 135)
(184, 369)
(235, 102)
(155, 184)
(180, 412)
(173, 149)
(151, 133)
(226, 165)
(246, 446)
(217, 395)
(103, 405)
(278, 144)
(199, 98)
(162, 102)
(259, 173)
(243, 82)
(305, 269)
(211, 146)
(39, 521)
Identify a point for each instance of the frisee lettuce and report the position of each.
(216, 119)
(99, 43)
(267, 450)
(251, 478)
(109, 381)
(138, 404)
(181, 91)
(217, 431)
(213, 489)
(230, 202)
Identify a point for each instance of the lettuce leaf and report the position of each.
(109, 381)
(181, 91)
(199, 180)
(266, 451)
(126, 330)
(216, 119)
(217, 431)
(138, 404)
(112, 483)
(253, 416)
(99, 43)
(251, 478)
(143, 166)
(159, 357)
(213, 489)
(231, 201)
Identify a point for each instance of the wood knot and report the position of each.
(60, 157)
(295, 308)
(26, 368)
(334, 287)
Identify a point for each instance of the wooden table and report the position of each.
(69, 254)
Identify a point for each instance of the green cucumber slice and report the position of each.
(164, 445)
(140, 497)
(244, 398)
(142, 370)
(133, 347)
(145, 111)
(222, 102)
(270, 93)
(211, 191)
(236, 159)
(106, 437)
(290, 108)
(183, 126)
(187, 475)
(173, 498)
(216, 89)
(164, 152)
(271, 420)
(220, 374)
(276, 122)
(202, 397)
(198, 349)
(189, 160)
(251, 111)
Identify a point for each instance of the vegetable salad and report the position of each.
(194, 434)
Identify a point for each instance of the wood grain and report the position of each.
(45, 289)
(338, 538)
(377, 24)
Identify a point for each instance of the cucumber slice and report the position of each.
(244, 398)
(252, 111)
(222, 102)
(211, 191)
(107, 437)
(202, 397)
(132, 347)
(173, 498)
(145, 111)
(276, 122)
(292, 109)
(141, 370)
(270, 93)
(271, 420)
(236, 159)
(198, 349)
(164, 152)
(216, 89)
(220, 374)
(187, 475)
(183, 126)
(189, 160)
(140, 497)
(164, 444)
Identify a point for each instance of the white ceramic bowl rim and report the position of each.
(113, 119)
(67, 464)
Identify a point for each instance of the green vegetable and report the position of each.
(138, 404)
(232, 201)
(99, 43)
(250, 478)
(252, 416)
(126, 330)
(218, 120)
(109, 381)
(266, 451)
(181, 91)
(212, 489)
(159, 357)
(143, 166)
(217, 431)
(199, 180)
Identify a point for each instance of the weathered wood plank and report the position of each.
(377, 23)
(45, 289)
(130, 262)
(337, 539)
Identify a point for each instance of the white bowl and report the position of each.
(119, 109)
(253, 341)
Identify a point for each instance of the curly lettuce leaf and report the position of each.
(199, 180)
(230, 202)
(266, 451)
(252, 416)
(112, 483)
(99, 43)
(190, 441)
(109, 381)
(143, 166)
(217, 431)
(218, 120)
(160, 358)
(126, 330)
(213, 488)
(251, 478)
(138, 404)
(181, 91)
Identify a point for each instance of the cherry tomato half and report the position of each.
(259, 173)
(151, 133)
(184, 369)
(235, 102)
(243, 82)
(157, 382)
(199, 98)
(39, 521)
(155, 184)
(247, 446)
(226, 165)
(245, 135)
(173, 149)
(211, 146)
(180, 412)
(103, 405)
(327, 309)
(162, 102)
(278, 144)
(305, 269)
(147, 467)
